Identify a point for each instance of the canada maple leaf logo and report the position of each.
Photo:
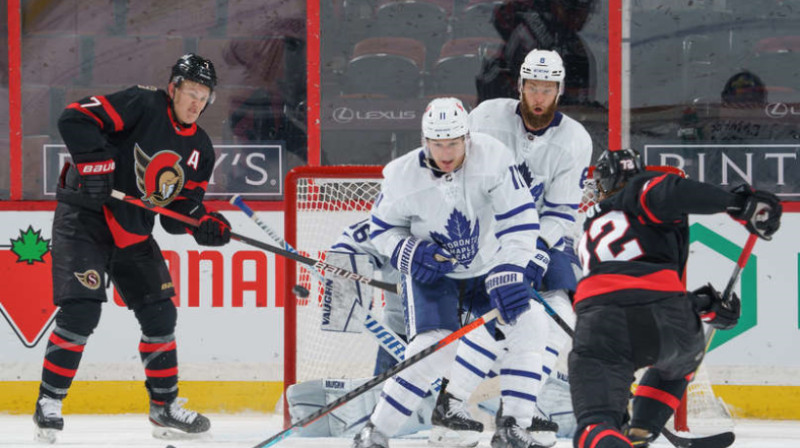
(461, 239)
(26, 288)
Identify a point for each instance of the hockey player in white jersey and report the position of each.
(459, 197)
(553, 152)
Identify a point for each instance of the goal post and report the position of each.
(320, 203)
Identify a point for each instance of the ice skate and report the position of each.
(640, 438)
(510, 435)
(172, 421)
(543, 431)
(48, 419)
(453, 425)
(369, 437)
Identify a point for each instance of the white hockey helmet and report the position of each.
(543, 65)
(444, 118)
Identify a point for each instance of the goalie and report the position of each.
(632, 307)
(348, 307)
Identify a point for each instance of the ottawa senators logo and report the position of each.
(89, 279)
(160, 177)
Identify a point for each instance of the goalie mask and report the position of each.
(614, 168)
(543, 65)
(191, 67)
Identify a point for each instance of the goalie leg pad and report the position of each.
(557, 339)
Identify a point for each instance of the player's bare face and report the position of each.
(539, 101)
(188, 100)
(448, 154)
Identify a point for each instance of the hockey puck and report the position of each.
(299, 291)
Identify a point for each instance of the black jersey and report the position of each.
(157, 159)
(635, 244)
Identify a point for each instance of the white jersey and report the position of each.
(355, 240)
(471, 212)
(554, 161)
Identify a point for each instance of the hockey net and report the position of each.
(320, 203)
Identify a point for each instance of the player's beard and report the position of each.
(537, 122)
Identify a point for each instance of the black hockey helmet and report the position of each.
(614, 168)
(194, 68)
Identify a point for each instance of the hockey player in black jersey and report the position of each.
(632, 307)
(144, 142)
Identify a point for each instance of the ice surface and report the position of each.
(247, 430)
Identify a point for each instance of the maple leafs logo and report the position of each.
(30, 247)
(536, 189)
(461, 239)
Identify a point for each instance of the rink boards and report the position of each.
(230, 343)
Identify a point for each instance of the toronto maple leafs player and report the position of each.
(444, 213)
(553, 152)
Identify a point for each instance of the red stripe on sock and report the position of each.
(66, 345)
(658, 395)
(154, 347)
(69, 373)
(163, 373)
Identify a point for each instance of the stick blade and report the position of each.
(721, 440)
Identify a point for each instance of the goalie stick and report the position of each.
(408, 362)
(387, 338)
(320, 265)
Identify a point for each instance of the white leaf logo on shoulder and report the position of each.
(89, 279)
(159, 178)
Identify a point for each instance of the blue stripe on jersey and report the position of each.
(565, 216)
(523, 373)
(553, 204)
(546, 370)
(517, 394)
(479, 349)
(384, 226)
(514, 211)
(411, 388)
(470, 367)
(551, 350)
(395, 404)
(519, 228)
(344, 246)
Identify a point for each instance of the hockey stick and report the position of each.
(454, 336)
(552, 313)
(726, 438)
(392, 344)
(320, 265)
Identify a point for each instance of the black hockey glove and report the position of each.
(96, 179)
(214, 230)
(713, 311)
(759, 211)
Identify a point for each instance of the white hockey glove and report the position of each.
(425, 261)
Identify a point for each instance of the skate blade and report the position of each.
(544, 438)
(445, 437)
(165, 433)
(46, 435)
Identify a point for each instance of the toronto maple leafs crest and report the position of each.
(536, 188)
(461, 239)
